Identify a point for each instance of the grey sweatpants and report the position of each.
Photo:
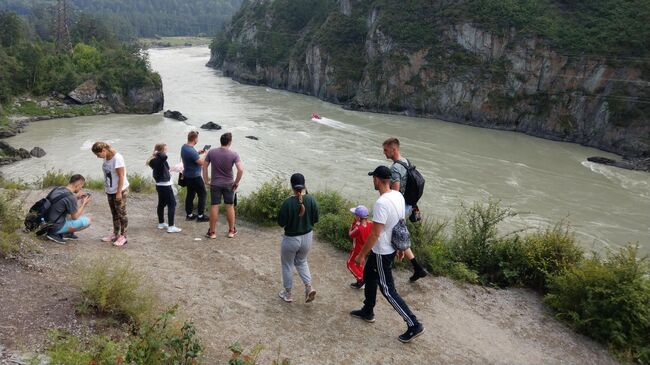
(293, 252)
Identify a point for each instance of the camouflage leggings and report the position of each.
(118, 211)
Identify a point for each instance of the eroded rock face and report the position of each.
(143, 100)
(510, 81)
(85, 93)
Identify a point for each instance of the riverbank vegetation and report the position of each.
(31, 62)
(137, 183)
(607, 299)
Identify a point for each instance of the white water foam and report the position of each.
(331, 123)
(639, 186)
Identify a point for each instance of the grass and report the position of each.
(10, 223)
(137, 183)
(114, 287)
(13, 185)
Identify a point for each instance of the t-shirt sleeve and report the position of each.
(195, 155)
(207, 157)
(119, 161)
(395, 173)
(70, 203)
(236, 158)
(379, 213)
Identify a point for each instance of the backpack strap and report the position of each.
(404, 164)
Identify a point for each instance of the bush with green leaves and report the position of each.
(334, 228)
(474, 233)
(141, 184)
(113, 286)
(262, 206)
(240, 357)
(159, 342)
(608, 300)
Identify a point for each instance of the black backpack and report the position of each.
(35, 220)
(414, 183)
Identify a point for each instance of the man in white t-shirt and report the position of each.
(386, 213)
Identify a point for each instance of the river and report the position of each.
(544, 181)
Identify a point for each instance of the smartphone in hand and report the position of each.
(206, 147)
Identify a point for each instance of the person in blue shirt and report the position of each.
(192, 164)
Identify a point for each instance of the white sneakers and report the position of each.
(170, 229)
(173, 229)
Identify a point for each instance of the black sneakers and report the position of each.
(202, 218)
(418, 274)
(357, 285)
(190, 217)
(70, 236)
(55, 238)
(411, 333)
(360, 313)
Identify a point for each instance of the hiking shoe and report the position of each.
(162, 225)
(56, 238)
(232, 233)
(109, 238)
(70, 236)
(173, 229)
(358, 285)
(418, 274)
(203, 218)
(190, 217)
(286, 296)
(360, 313)
(120, 241)
(411, 333)
(211, 235)
(310, 295)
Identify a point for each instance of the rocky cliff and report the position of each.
(433, 63)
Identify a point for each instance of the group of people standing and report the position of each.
(372, 255)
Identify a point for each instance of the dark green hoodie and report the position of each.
(292, 223)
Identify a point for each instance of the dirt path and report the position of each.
(229, 288)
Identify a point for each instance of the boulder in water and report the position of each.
(634, 163)
(85, 93)
(211, 126)
(601, 160)
(23, 153)
(174, 114)
(37, 152)
(253, 138)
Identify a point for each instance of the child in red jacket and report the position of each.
(359, 232)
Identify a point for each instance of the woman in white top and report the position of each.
(116, 186)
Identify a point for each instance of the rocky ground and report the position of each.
(229, 288)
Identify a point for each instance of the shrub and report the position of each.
(331, 202)
(94, 184)
(262, 206)
(238, 357)
(141, 184)
(55, 178)
(428, 243)
(113, 286)
(159, 342)
(473, 235)
(13, 185)
(333, 228)
(10, 222)
(608, 300)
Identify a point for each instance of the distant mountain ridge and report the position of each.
(560, 69)
(147, 18)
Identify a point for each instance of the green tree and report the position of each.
(11, 28)
(86, 58)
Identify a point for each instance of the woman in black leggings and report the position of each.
(158, 162)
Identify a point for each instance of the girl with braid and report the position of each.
(297, 216)
(117, 188)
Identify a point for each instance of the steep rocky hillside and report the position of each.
(557, 69)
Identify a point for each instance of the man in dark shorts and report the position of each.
(222, 184)
(192, 163)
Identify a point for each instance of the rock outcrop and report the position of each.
(507, 80)
(143, 100)
(37, 152)
(85, 93)
(174, 114)
(211, 126)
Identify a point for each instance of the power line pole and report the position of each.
(63, 41)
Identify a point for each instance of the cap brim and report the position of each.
(298, 186)
(371, 173)
(353, 210)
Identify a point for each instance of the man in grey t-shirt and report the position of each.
(398, 182)
(66, 214)
(223, 184)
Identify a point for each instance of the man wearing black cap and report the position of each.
(387, 212)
